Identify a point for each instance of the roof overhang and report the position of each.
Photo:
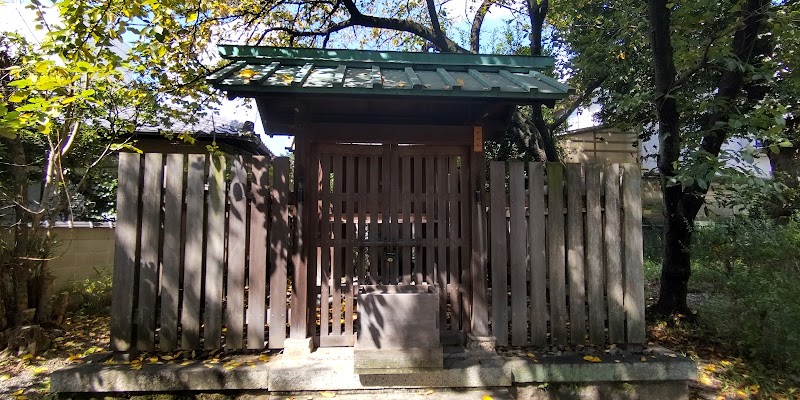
(379, 86)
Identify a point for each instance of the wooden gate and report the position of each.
(391, 214)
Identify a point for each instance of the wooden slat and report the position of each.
(300, 294)
(148, 262)
(537, 259)
(278, 253)
(257, 282)
(171, 263)
(237, 236)
(373, 201)
(325, 250)
(497, 217)
(215, 251)
(555, 250)
(336, 260)
(465, 228)
(417, 266)
(441, 225)
(430, 203)
(594, 256)
(350, 231)
(193, 252)
(454, 268)
(126, 236)
(363, 195)
(613, 256)
(518, 253)
(634, 262)
(405, 229)
(478, 260)
(389, 218)
(575, 254)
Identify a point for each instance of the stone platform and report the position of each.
(332, 369)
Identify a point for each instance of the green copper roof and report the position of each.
(274, 70)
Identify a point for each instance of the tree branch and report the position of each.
(477, 23)
(437, 28)
(444, 43)
(564, 114)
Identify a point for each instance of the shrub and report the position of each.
(92, 296)
(749, 267)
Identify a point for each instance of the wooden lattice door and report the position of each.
(391, 214)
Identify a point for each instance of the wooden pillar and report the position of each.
(301, 288)
(480, 303)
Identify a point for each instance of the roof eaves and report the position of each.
(343, 56)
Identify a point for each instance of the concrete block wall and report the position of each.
(86, 250)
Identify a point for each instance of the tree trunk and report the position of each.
(44, 306)
(19, 265)
(537, 11)
(681, 204)
(676, 267)
(676, 263)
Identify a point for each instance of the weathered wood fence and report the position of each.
(204, 249)
(565, 253)
(201, 249)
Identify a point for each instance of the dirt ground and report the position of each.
(28, 377)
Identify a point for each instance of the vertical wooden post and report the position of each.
(594, 256)
(613, 254)
(300, 286)
(279, 253)
(237, 244)
(215, 253)
(555, 246)
(537, 258)
(149, 260)
(465, 195)
(497, 177)
(480, 304)
(257, 282)
(518, 253)
(634, 263)
(193, 252)
(575, 254)
(126, 237)
(171, 273)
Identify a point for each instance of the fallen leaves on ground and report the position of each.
(328, 395)
(722, 374)
(593, 359)
(28, 376)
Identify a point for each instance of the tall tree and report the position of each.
(683, 200)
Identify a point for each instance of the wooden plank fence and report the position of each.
(200, 241)
(573, 277)
(205, 247)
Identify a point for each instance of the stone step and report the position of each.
(405, 394)
(320, 374)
